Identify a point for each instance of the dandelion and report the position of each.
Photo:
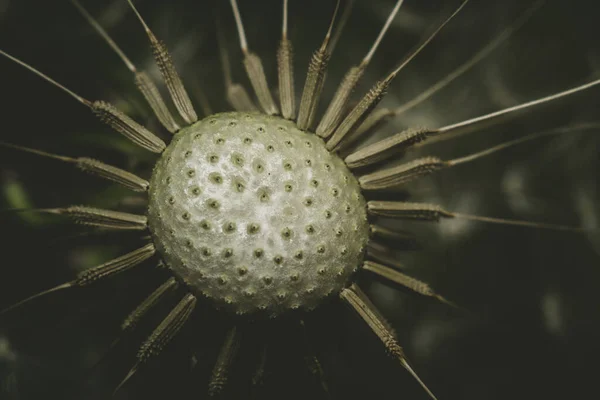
(283, 208)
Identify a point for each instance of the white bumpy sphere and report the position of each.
(256, 215)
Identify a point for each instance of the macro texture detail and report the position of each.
(257, 215)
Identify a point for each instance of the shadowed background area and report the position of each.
(532, 293)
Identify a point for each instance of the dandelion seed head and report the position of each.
(288, 226)
(240, 242)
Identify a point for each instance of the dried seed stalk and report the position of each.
(239, 99)
(474, 124)
(102, 218)
(127, 127)
(237, 96)
(357, 291)
(398, 238)
(132, 320)
(399, 278)
(258, 79)
(285, 68)
(254, 67)
(569, 129)
(311, 359)
(393, 177)
(142, 80)
(116, 266)
(92, 166)
(150, 92)
(285, 63)
(47, 78)
(108, 113)
(95, 274)
(402, 210)
(335, 110)
(337, 33)
(417, 50)
(358, 115)
(168, 328)
(369, 314)
(315, 79)
(386, 148)
(377, 118)
(220, 372)
(481, 54)
(383, 254)
(431, 212)
(259, 373)
(163, 334)
(180, 97)
(111, 173)
(98, 28)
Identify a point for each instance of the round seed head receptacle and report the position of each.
(257, 215)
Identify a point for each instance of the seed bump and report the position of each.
(229, 227)
(216, 178)
(253, 228)
(204, 224)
